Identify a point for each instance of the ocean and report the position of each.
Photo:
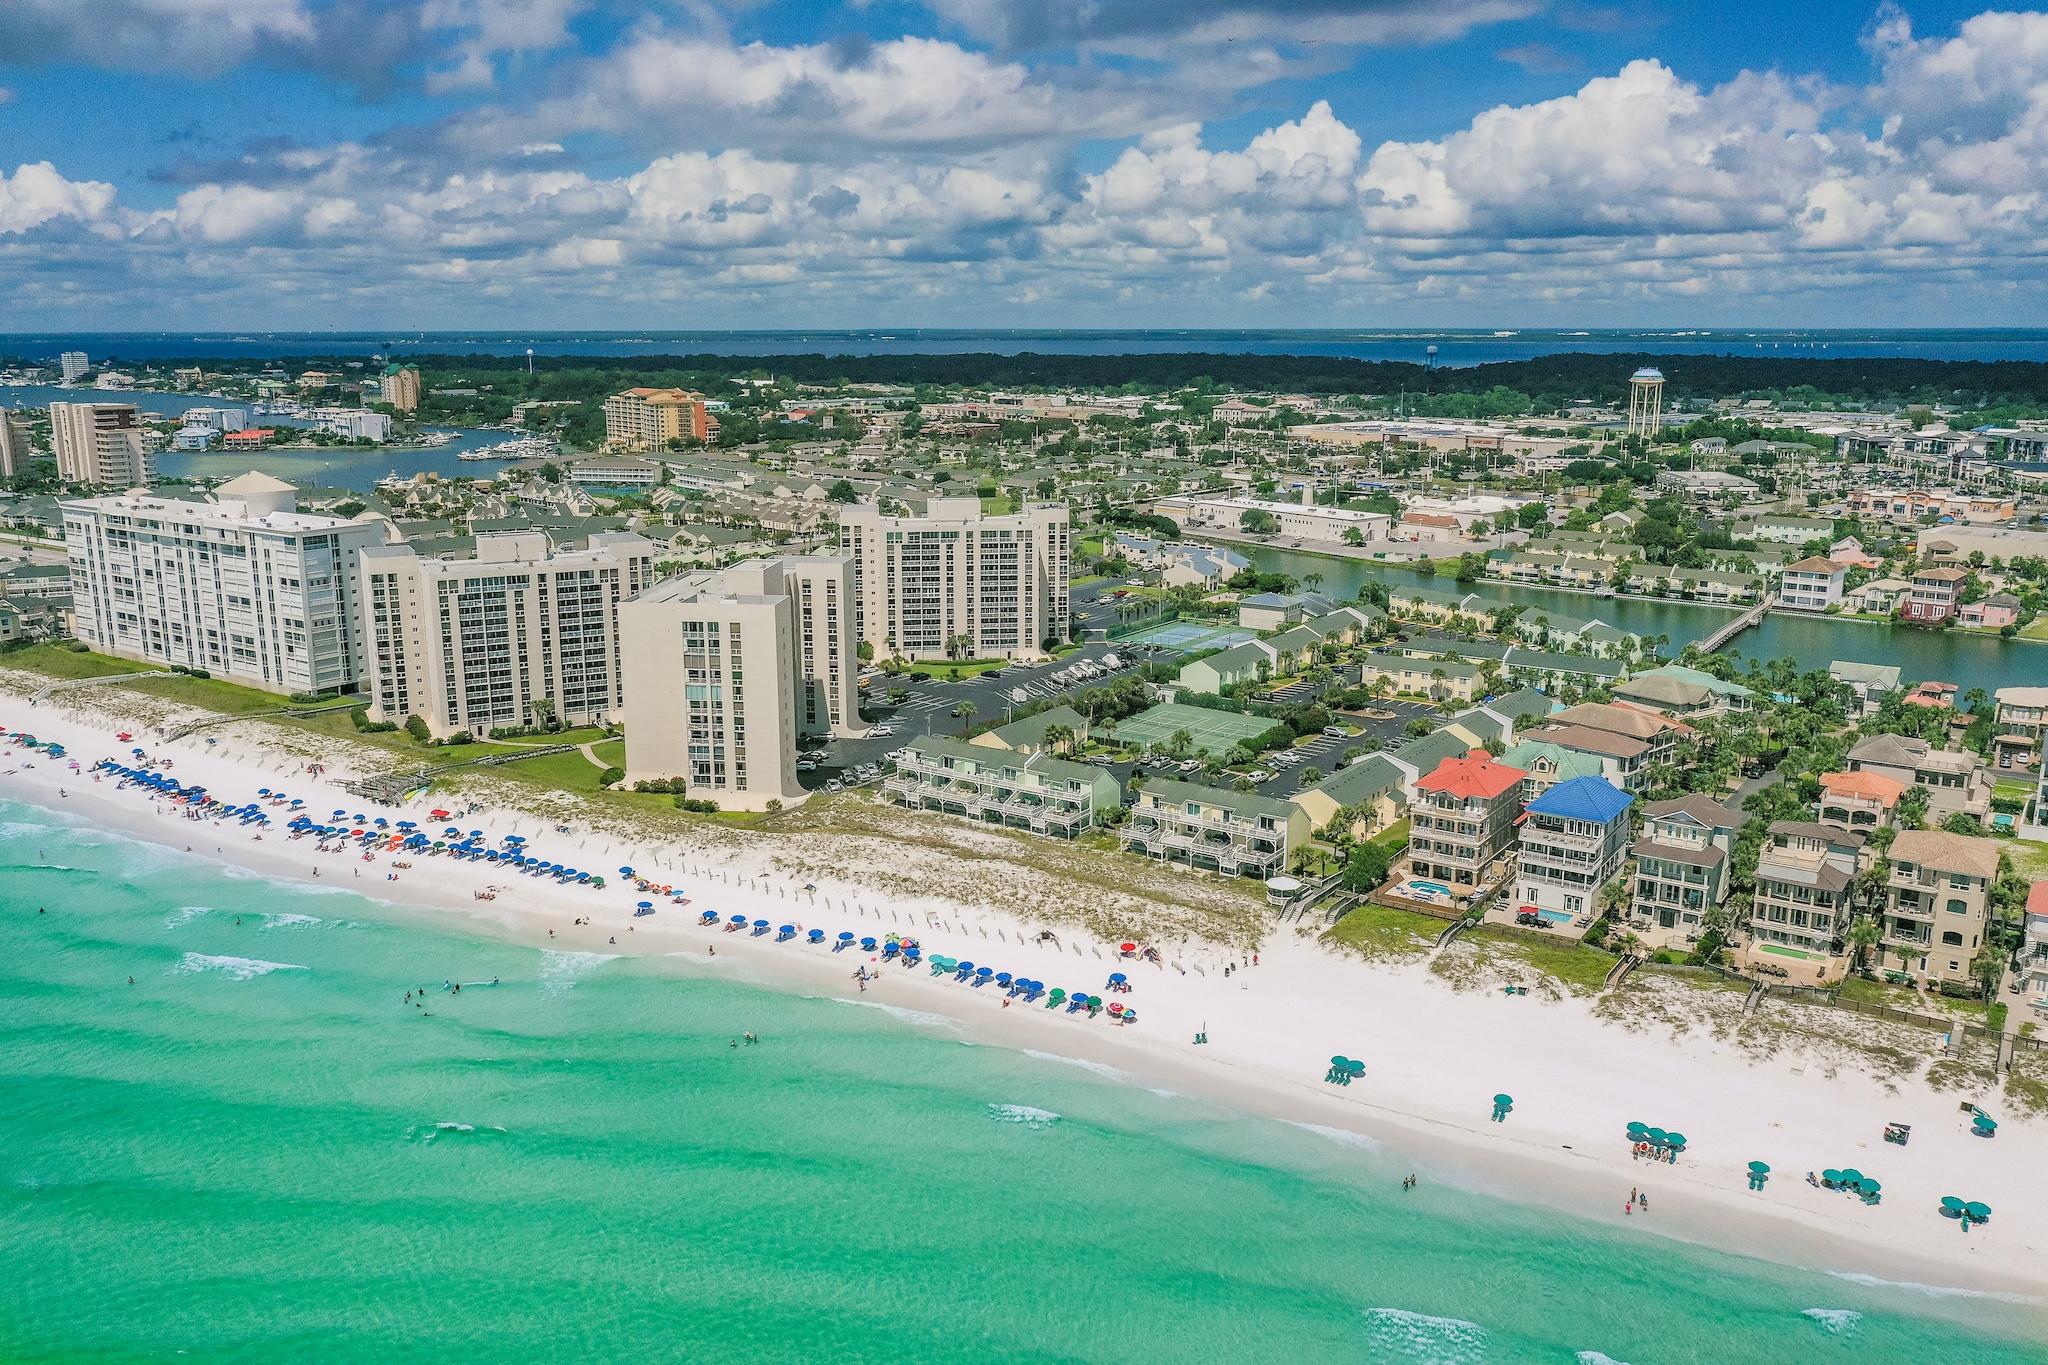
(258, 1151)
(1452, 346)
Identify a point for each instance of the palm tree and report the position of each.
(1058, 738)
(1864, 935)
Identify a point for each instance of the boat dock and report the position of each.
(1724, 633)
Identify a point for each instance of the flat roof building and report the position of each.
(956, 583)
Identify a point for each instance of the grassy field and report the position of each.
(953, 670)
(2029, 859)
(1378, 932)
(2036, 629)
(228, 698)
(1581, 970)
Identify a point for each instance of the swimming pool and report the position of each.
(1422, 890)
(1554, 916)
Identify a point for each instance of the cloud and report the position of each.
(1540, 59)
(36, 196)
(1149, 26)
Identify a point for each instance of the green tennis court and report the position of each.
(1213, 732)
(1192, 637)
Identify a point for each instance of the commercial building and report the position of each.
(1805, 886)
(1682, 868)
(220, 419)
(514, 636)
(1239, 833)
(399, 386)
(356, 424)
(243, 587)
(726, 670)
(1936, 902)
(955, 583)
(1296, 521)
(99, 443)
(72, 365)
(648, 419)
(1463, 820)
(1034, 792)
(1574, 839)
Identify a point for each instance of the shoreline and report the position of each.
(1424, 1100)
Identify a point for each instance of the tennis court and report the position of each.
(1192, 637)
(1213, 732)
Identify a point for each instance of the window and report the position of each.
(1951, 939)
(1956, 907)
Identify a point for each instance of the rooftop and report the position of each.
(1583, 798)
(1946, 852)
(1476, 775)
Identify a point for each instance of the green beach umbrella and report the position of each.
(1638, 1129)
(1977, 1211)
(1058, 994)
(1759, 1168)
(1951, 1204)
(1355, 1067)
(1655, 1135)
(1850, 1175)
(1674, 1139)
(1340, 1061)
(1985, 1123)
(1869, 1185)
(1831, 1177)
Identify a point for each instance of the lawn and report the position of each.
(2029, 858)
(2036, 629)
(228, 698)
(1394, 838)
(1092, 545)
(953, 670)
(1379, 931)
(1002, 504)
(564, 772)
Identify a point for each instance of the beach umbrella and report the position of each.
(1984, 1123)
(1094, 1002)
(1849, 1175)
(1831, 1177)
(760, 924)
(625, 872)
(263, 791)
(1057, 995)
(1356, 1067)
(474, 834)
(1951, 1205)
(1977, 1210)
(1869, 1185)
(1127, 947)
(1130, 1016)
(966, 966)
(787, 929)
(1759, 1168)
(867, 945)
(845, 936)
(1115, 977)
(646, 905)
(984, 972)
(816, 936)
(739, 919)
(1340, 1061)
(1636, 1130)
(1674, 1139)
(1116, 1009)
(1655, 1135)
(1504, 1101)
(1003, 978)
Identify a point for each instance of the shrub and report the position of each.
(359, 716)
(179, 668)
(77, 646)
(199, 673)
(417, 728)
(697, 805)
(459, 737)
(775, 806)
(611, 777)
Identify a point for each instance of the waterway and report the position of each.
(1967, 660)
(352, 467)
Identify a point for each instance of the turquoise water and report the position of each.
(259, 1152)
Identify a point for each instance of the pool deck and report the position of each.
(1507, 906)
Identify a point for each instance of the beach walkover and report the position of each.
(1723, 634)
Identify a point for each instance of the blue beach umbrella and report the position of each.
(816, 936)
(737, 919)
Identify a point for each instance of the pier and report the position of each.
(1724, 633)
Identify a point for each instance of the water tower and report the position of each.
(1645, 402)
(529, 360)
(1430, 352)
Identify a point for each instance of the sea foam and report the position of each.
(1103, 1069)
(1834, 1321)
(1940, 1291)
(240, 968)
(1342, 1136)
(184, 915)
(1024, 1114)
(1418, 1336)
(289, 921)
(1597, 1358)
(908, 1016)
(561, 970)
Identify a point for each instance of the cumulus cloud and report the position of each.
(917, 170)
(1149, 25)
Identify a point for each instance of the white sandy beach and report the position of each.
(1434, 1056)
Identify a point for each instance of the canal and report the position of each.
(1811, 642)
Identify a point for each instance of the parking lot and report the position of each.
(927, 707)
(1290, 766)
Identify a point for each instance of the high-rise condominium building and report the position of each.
(399, 386)
(648, 419)
(954, 583)
(73, 365)
(13, 446)
(99, 443)
(509, 638)
(243, 587)
(725, 670)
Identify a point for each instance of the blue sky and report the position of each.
(449, 163)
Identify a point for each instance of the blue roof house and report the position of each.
(1574, 840)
